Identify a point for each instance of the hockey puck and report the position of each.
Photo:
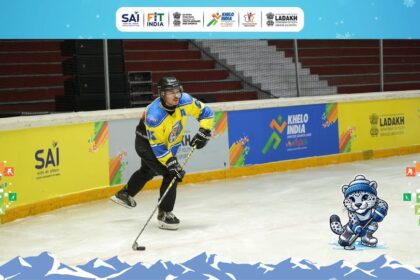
(136, 247)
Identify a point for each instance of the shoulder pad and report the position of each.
(155, 114)
(185, 99)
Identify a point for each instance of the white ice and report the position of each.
(265, 218)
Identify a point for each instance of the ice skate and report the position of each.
(369, 240)
(167, 220)
(123, 198)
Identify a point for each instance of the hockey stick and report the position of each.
(354, 237)
(135, 246)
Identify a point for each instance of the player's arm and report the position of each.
(204, 115)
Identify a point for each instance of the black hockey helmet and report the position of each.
(167, 83)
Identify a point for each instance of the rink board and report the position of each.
(377, 124)
(96, 157)
(276, 134)
(55, 161)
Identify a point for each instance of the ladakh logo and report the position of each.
(374, 122)
(389, 125)
(392, 121)
(275, 140)
(215, 20)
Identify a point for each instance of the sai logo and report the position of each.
(49, 157)
(275, 140)
(131, 19)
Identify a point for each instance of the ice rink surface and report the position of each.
(265, 218)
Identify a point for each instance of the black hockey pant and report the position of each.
(151, 167)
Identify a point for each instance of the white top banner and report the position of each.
(227, 19)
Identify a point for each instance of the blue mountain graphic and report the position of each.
(99, 268)
(203, 266)
(387, 268)
(25, 268)
(117, 263)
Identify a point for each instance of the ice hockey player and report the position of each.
(159, 135)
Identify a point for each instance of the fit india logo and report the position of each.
(373, 119)
(274, 141)
(215, 19)
(155, 19)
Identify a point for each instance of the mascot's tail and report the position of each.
(335, 225)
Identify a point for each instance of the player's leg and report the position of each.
(166, 219)
(140, 177)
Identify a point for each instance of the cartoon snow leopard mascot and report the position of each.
(365, 211)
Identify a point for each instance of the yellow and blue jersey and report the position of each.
(165, 131)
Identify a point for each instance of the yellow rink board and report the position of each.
(379, 124)
(52, 162)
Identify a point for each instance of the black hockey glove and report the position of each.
(175, 170)
(201, 138)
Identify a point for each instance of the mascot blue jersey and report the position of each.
(166, 131)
